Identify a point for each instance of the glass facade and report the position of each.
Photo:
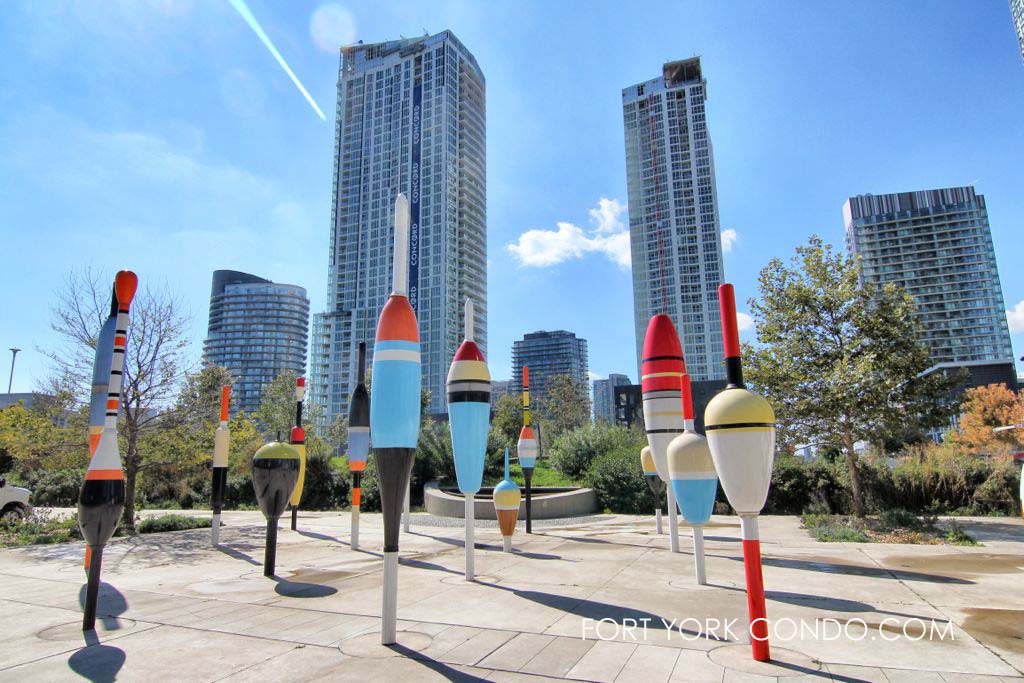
(1017, 11)
(673, 213)
(604, 396)
(257, 330)
(938, 246)
(411, 114)
(548, 354)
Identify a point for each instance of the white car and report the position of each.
(13, 501)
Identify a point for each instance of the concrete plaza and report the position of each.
(173, 608)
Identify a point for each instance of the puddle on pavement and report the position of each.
(997, 627)
(958, 563)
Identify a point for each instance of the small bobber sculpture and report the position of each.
(221, 449)
(469, 415)
(654, 482)
(527, 449)
(101, 500)
(741, 434)
(693, 479)
(506, 507)
(661, 369)
(298, 440)
(395, 410)
(275, 471)
(358, 441)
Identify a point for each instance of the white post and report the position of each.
(698, 555)
(400, 265)
(657, 519)
(389, 612)
(470, 518)
(215, 529)
(355, 528)
(507, 543)
(673, 521)
(405, 515)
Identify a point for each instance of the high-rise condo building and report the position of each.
(1017, 11)
(257, 330)
(548, 354)
(604, 396)
(411, 118)
(673, 212)
(938, 246)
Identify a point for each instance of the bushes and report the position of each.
(56, 488)
(326, 487)
(152, 525)
(619, 483)
(573, 452)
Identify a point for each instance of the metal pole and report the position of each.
(14, 357)
(528, 476)
(270, 553)
(470, 542)
(92, 590)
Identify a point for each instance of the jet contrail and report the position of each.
(243, 10)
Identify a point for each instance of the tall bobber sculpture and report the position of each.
(395, 410)
(694, 481)
(298, 440)
(506, 507)
(275, 471)
(527, 449)
(221, 446)
(100, 386)
(661, 369)
(741, 434)
(101, 501)
(469, 414)
(358, 440)
(654, 482)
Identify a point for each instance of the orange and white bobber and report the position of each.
(741, 434)
(221, 448)
(661, 369)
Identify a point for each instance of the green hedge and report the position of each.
(573, 453)
(618, 481)
(152, 525)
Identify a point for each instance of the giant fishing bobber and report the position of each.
(298, 440)
(358, 440)
(395, 409)
(661, 369)
(741, 434)
(654, 482)
(275, 470)
(506, 506)
(469, 415)
(693, 478)
(221, 448)
(101, 500)
(527, 449)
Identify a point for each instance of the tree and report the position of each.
(155, 363)
(984, 409)
(566, 405)
(50, 435)
(508, 417)
(838, 359)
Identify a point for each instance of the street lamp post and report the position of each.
(14, 356)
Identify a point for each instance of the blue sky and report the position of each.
(162, 136)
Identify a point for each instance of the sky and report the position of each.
(164, 136)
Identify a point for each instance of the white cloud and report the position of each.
(1015, 318)
(729, 237)
(331, 27)
(744, 322)
(609, 236)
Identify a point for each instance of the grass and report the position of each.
(892, 526)
(41, 528)
(162, 523)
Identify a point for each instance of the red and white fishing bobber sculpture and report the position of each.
(741, 434)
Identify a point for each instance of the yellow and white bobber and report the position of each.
(741, 434)
(654, 482)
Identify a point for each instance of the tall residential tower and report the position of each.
(673, 212)
(548, 354)
(411, 118)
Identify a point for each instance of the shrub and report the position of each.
(619, 483)
(56, 488)
(572, 452)
(162, 523)
(326, 487)
(957, 536)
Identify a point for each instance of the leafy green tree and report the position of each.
(508, 417)
(839, 359)
(566, 406)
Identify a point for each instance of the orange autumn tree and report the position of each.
(985, 408)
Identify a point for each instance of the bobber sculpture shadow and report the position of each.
(358, 441)
(101, 500)
(527, 449)
(275, 471)
(693, 479)
(221, 448)
(469, 415)
(395, 410)
(506, 507)
(654, 482)
(661, 369)
(298, 440)
(741, 434)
